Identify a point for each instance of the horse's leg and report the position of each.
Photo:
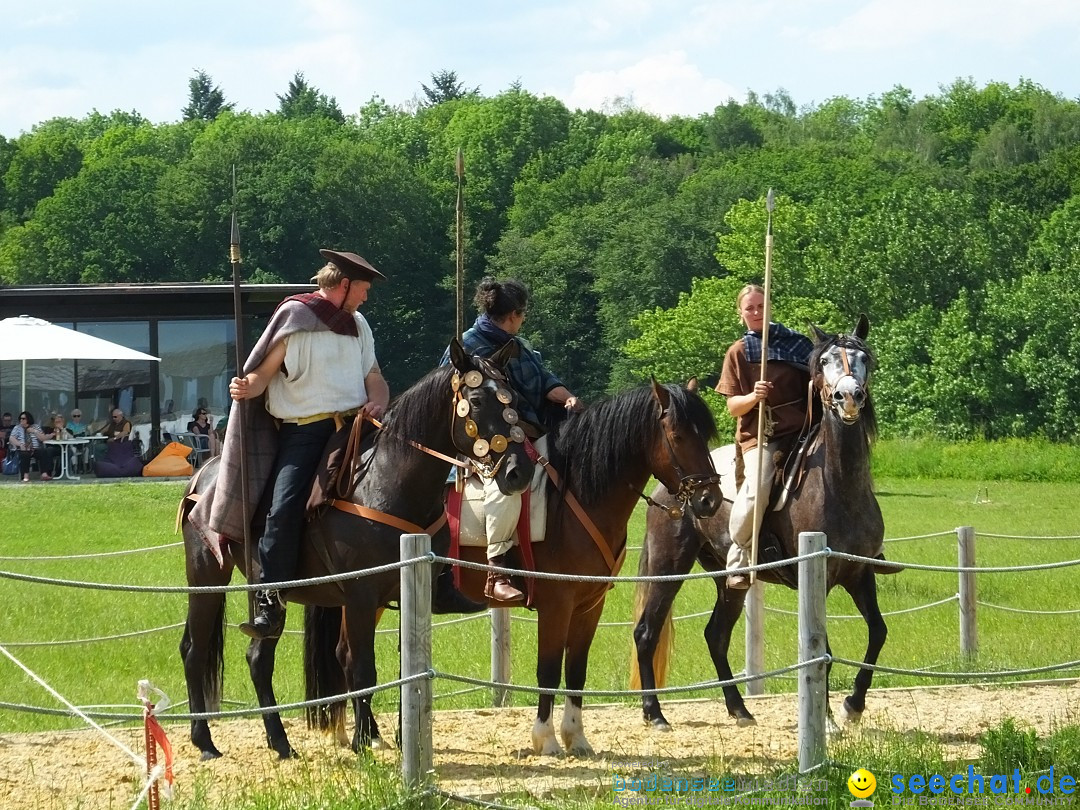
(582, 631)
(669, 548)
(260, 658)
(729, 604)
(360, 666)
(864, 595)
(203, 645)
(202, 651)
(552, 630)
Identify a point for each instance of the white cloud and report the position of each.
(665, 84)
(885, 23)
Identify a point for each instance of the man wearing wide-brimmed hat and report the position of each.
(313, 366)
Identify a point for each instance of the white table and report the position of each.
(64, 444)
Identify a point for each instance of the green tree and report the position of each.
(304, 101)
(206, 101)
(446, 87)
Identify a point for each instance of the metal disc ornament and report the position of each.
(517, 434)
(480, 448)
(510, 416)
(474, 379)
(504, 396)
(674, 512)
(498, 443)
(470, 428)
(463, 407)
(455, 381)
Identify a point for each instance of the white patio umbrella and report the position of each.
(27, 338)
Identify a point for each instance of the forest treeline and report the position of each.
(952, 220)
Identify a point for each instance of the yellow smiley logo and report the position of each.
(862, 783)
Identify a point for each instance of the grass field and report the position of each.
(41, 521)
(96, 519)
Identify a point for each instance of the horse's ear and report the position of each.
(662, 395)
(862, 327)
(458, 358)
(510, 350)
(691, 384)
(819, 335)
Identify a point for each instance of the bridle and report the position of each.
(688, 484)
(481, 461)
(827, 389)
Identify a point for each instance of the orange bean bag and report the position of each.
(172, 460)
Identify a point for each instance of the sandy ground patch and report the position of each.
(486, 753)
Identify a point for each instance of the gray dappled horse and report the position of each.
(836, 497)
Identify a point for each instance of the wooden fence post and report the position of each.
(969, 628)
(812, 679)
(754, 611)
(500, 654)
(416, 755)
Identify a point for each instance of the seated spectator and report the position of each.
(120, 458)
(204, 431)
(76, 427)
(28, 440)
(6, 424)
(118, 429)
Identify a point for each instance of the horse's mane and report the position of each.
(594, 448)
(409, 414)
(868, 418)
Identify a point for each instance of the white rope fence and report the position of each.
(417, 676)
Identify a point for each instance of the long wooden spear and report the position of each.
(236, 420)
(459, 322)
(770, 202)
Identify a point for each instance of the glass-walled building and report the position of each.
(189, 326)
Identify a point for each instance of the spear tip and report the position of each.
(770, 201)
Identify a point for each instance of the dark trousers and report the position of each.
(44, 458)
(300, 448)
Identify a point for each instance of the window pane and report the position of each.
(197, 362)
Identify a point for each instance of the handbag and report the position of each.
(11, 463)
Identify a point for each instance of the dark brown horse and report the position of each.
(447, 412)
(836, 497)
(603, 458)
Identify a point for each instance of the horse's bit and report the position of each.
(688, 484)
(482, 447)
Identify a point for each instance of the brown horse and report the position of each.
(836, 497)
(604, 456)
(447, 412)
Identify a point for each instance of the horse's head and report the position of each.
(841, 367)
(484, 424)
(680, 460)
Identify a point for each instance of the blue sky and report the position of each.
(68, 57)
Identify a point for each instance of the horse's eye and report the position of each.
(824, 362)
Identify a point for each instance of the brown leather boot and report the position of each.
(498, 585)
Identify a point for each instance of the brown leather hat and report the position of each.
(355, 267)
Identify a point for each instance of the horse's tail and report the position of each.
(666, 640)
(324, 675)
(213, 674)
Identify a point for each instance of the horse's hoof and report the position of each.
(209, 754)
(379, 744)
(849, 715)
(658, 724)
(548, 748)
(742, 717)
